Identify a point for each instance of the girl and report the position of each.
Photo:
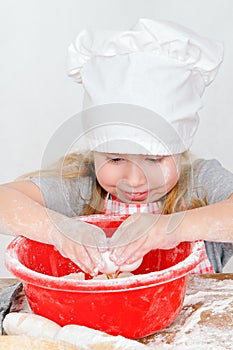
(142, 90)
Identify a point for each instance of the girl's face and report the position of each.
(137, 178)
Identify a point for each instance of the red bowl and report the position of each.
(133, 307)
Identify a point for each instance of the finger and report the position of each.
(100, 240)
(129, 234)
(88, 259)
(93, 243)
(96, 258)
(124, 235)
(79, 255)
(130, 252)
(126, 226)
(134, 227)
(142, 248)
(94, 237)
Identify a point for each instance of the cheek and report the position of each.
(156, 176)
(100, 172)
(164, 175)
(171, 173)
(106, 175)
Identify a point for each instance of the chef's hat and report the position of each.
(155, 73)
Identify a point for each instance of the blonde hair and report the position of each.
(82, 165)
(180, 197)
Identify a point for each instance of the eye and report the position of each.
(116, 160)
(154, 160)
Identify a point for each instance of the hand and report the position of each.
(80, 242)
(141, 233)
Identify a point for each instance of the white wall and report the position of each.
(36, 96)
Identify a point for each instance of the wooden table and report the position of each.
(206, 318)
(5, 282)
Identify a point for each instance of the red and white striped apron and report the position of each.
(113, 206)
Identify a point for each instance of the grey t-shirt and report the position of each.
(210, 180)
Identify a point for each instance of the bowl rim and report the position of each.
(28, 276)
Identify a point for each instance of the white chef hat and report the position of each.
(159, 68)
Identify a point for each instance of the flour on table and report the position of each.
(205, 321)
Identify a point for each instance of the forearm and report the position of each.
(20, 215)
(212, 223)
(74, 239)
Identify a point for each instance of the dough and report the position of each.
(103, 276)
(75, 276)
(16, 323)
(81, 337)
(17, 342)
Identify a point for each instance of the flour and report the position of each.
(206, 319)
(204, 323)
(81, 276)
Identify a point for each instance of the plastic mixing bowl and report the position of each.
(134, 307)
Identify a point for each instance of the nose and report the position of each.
(135, 175)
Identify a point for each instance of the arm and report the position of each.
(213, 223)
(146, 231)
(23, 212)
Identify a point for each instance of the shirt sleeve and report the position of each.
(216, 184)
(212, 180)
(66, 196)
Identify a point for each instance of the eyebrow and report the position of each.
(127, 154)
(114, 154)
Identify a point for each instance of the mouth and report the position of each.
(135, 196)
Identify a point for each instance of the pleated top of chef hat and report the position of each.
(160, 67)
